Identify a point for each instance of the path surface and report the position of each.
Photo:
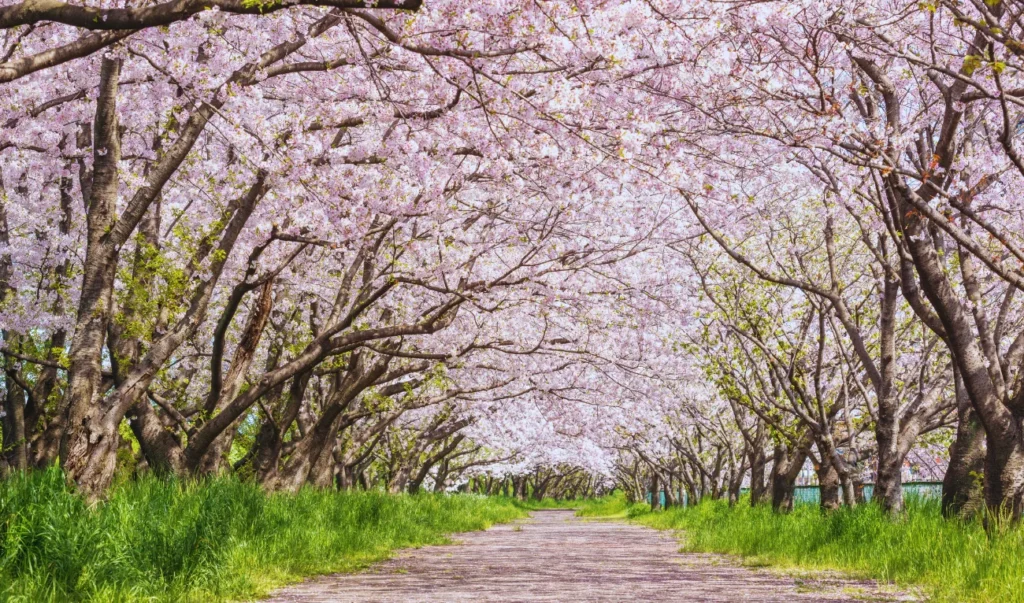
(554, 556)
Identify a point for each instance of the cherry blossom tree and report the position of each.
(538, 247)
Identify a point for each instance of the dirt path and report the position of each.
(554, 556)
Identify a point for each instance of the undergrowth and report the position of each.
(221, 539)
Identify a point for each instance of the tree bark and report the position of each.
(88, 445)
(785, 470)
(215, 460)
(962, 493)
(655, 491)
(757, 467)
(888, 484)
(14, 442)
(828, 484)
(309, 450)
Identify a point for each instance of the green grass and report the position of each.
(551, 503)
(612, 506)
(222, 539)
(609, 505)
(950, 560)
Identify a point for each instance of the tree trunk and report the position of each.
(828, 484)
(304, 465)
(223, 390)
(160, 446)
(888, 483)
(346, 477)
(962, 484)
(757, 485)
(270, 439)
(13, 424)
(670, 499)
(319, 440)
(441, 477)
(785, 469)
(321, 474)
(735, 482)
(88, 447)
(655, 492)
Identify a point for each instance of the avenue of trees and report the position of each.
(531, 248)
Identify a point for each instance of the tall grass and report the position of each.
(951, 560)
(222, 539)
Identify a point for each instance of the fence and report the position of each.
(811, 495)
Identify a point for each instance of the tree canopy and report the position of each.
(657, 243)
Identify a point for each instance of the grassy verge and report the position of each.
(950, 560)
(218, 540)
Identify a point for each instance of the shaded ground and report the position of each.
(554, 556)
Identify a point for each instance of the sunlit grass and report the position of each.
(553, 503)
(222, 539)
(951, 560)
(612, 506)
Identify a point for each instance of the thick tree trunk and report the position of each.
(828, 484)
(1004, 474)
(266, 462)
(848, 491)
(306, 464)
(88, 446)
(655, 491)
(346, 477)
(441, 477)
(540, 486)
(520, 487)
(320, 439)
(735, 483)
(215, 461)
(962, 493)
(785, 470)
(270, 439)
(160, 447)
(321, 474)
(428, 464)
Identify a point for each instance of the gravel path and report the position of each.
(554, 556)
